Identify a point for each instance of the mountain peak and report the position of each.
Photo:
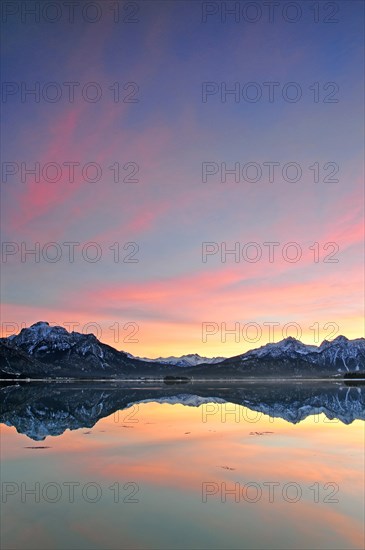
(288, 343)
(42, 329)
(290, 340)
(338, 340)
(40, 324)
(341, 338)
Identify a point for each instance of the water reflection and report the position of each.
(39, 410)
(252, 467)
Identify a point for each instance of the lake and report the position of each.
(182, 466)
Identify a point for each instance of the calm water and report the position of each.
(103, 466)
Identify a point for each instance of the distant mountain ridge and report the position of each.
(48, 351)
(189, 360)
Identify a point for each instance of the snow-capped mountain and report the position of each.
(41, 337)
(346, 354)
(55, 345)
(189, 360)
(69, 354)
(51, 351)
(58, 347)
(289, 347)
(341, 354)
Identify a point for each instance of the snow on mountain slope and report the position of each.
(346, 354)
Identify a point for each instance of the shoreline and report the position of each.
(191, 380)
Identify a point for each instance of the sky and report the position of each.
(165, 135)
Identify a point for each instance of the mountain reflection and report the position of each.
(39, 410)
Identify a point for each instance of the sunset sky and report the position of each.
(165, 295)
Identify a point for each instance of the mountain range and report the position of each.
(44, 351)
